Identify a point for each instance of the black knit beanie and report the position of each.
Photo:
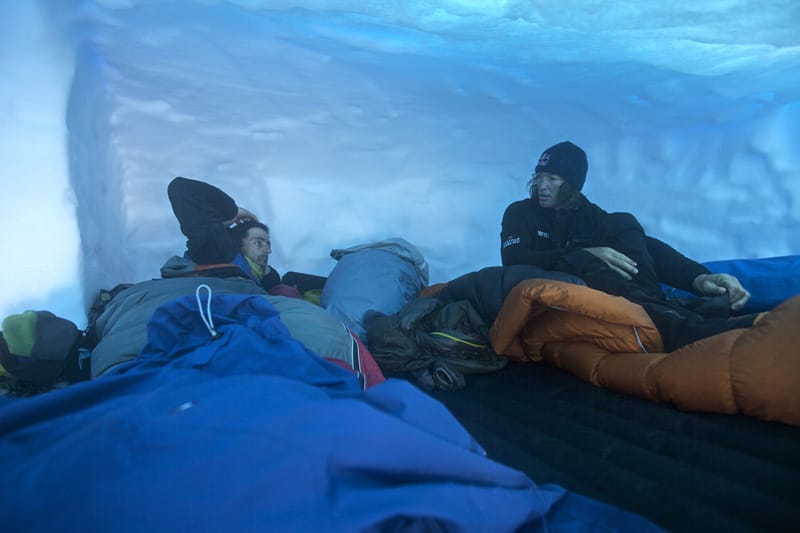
(567, 160)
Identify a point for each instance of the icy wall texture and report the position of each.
(423, 120)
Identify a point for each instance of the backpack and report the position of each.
(436, 342)
(41, 349)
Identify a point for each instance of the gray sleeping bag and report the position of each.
(122, 328)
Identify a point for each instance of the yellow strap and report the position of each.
(442, 334)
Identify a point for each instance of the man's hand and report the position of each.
(619, 262)
(241, 215)
(716, 284)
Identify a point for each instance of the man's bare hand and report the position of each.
(716, 284)
(241, 215)
(619, 262)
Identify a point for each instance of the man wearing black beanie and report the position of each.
(557, 228)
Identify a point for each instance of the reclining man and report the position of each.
(222, 234)
(557, 228)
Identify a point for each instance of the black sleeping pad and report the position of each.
(684, 471)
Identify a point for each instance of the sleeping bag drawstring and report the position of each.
(210, 321)
(639, 339)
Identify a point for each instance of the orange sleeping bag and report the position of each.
(612, 343)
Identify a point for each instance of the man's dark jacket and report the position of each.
(556, 239)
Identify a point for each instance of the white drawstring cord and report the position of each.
(639, 339)
(210, 321)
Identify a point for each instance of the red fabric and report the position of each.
(369, 367)
(281, 289)
(372, 372)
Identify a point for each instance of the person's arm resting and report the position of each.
(672, 267)
(203, 212)
(677, 270)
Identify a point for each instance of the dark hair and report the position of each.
(568, 196)
(239, 231)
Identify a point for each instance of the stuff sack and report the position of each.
(378, 277)
(436, 342)
(41, 348)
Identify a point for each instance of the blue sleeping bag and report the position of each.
(770, 280)
(245, 429)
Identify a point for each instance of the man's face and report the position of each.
(256, 246)
(547, 187)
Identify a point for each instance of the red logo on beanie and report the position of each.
(543, 160)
